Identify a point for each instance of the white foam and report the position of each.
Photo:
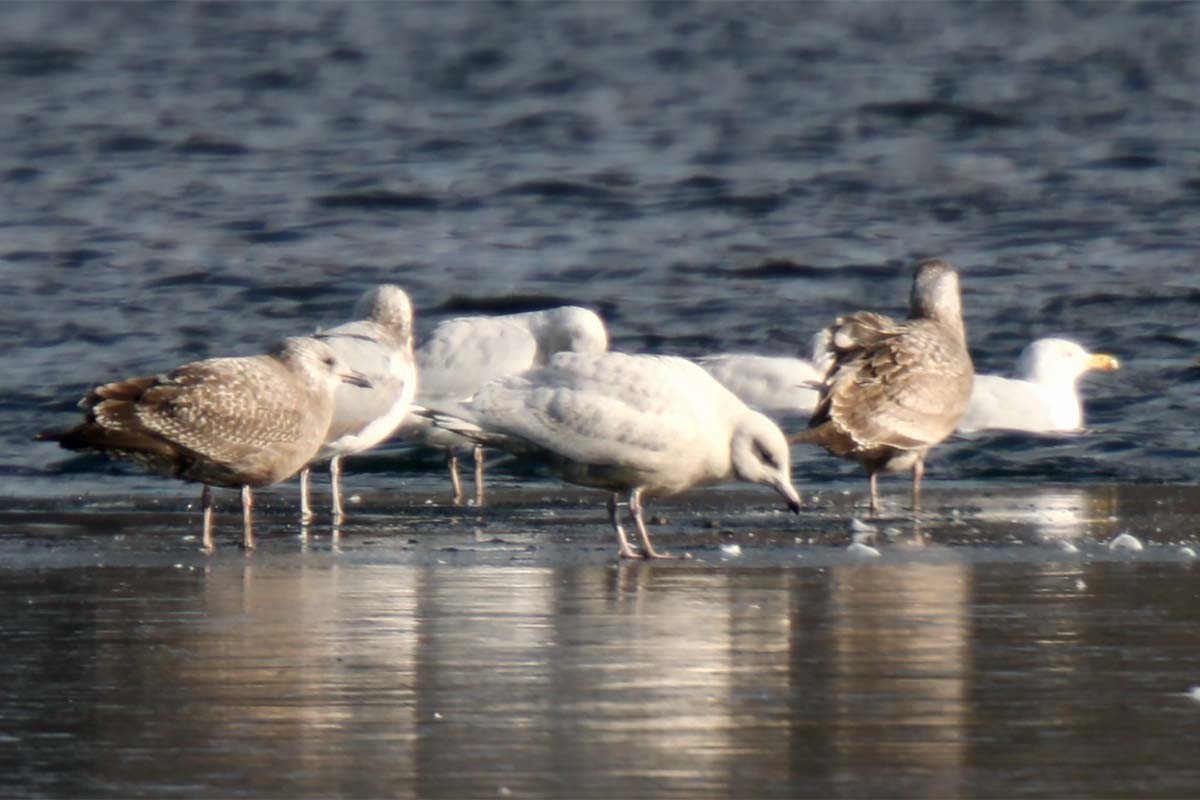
(1126, 541)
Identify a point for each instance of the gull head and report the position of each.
(935, 293)
(759, 454)
(389, 306)
(572, 328)
(1060, 361)
(317, 364)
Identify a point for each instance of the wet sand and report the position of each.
(1000, 647)
(550, 525)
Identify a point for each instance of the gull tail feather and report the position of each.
(454, 420)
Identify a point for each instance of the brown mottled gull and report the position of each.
(896, 389)
(236, 422)
(379, 346)
(646, 425)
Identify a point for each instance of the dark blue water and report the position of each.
(191, 180)
(185, 180)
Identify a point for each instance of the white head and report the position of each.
(568, 328)
(1060, 362)
(388, 306)
(759, 454)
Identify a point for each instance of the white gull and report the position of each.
(646, 425)
(1044, 395)
(774, 385)
(464, 353)
(378, 345)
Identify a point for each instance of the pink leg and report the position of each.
(247, 518)
(635, 508)
(874, 481)
(624, 550)
(335, 487)
(918, 473)
(206, 503)
(456, 492)
(478, 453)
(306, 513)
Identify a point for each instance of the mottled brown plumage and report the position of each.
(896, 389)
(237, 422)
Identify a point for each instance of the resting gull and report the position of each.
(896, 389)
(774, 385)
(1042, 398)
(379, 346)
(236, 422)
(647, 425)
(464, 353)
(1044, 395)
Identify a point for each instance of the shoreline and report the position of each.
(554, 526)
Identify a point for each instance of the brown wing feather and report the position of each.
(219, 410)
(90, 436)
(217, 421)
(130, 390)
(112, 426)
(846, 340)
(897, 385)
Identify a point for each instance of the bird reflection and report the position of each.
(1052, 513)
(709, 680)
(900, 670)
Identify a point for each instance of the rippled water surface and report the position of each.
(189, 180)
(184, 180)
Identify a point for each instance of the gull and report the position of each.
(1044, 395)
(237, 422)
(1042, 398)
(774, 385)
(378, 345)
(896, 389)
(464, 353)
(644, 425)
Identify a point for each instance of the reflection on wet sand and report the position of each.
(338, 676)
(627, 679)
(271, 675)
(619, 679)
(900, 672)
(1060, 512)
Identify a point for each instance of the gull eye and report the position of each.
(765, 456)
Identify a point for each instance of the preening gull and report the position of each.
(647, 425)
(896, 389)
(236, 422)
(379, 346)
(464, 353)
(1044, 395)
